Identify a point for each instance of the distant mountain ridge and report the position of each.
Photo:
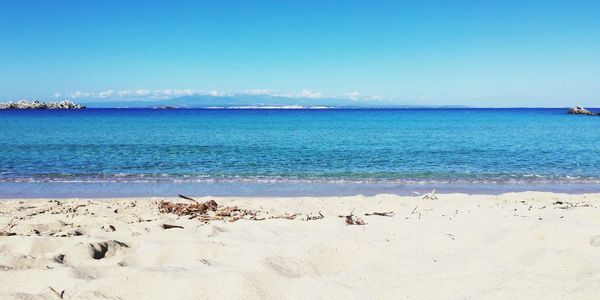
(237, 101)
(197, 101)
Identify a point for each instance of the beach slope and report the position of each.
(453, 246)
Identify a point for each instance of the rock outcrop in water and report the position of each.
(24, 104)
(578, 110)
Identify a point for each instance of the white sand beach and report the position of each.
(527, 245)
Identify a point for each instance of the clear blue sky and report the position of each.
(485, 53)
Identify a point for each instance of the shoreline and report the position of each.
(523, 245)
(272, 189)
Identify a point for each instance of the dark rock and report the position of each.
(578, 110)
(24, 104)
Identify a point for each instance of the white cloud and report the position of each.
(142, 93)
(80, 94)
(106, 94)
(267, 92)
(216, 93)
(132, 94)
(310, 94)
(352, 95)
(302, 94)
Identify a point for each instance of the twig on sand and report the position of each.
(168, 226)
(569, 205)
(187, 198)
(430, 196)
(382, 214)
(6, 230)
(10, 225)
(313, 217)
(414, 210)
(285, 216)
(60, 295)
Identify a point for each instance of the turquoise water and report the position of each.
(359, 146)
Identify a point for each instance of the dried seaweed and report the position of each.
(351, 219)
(208, 211)
(182, 209)
(285, 216)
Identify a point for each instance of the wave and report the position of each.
(187, 178)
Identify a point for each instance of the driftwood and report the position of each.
(383, 214)
(168, 226)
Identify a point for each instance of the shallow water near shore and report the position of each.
(137, 152)
(14, 190)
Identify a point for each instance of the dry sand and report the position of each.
(520, 246)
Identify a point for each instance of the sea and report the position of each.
(296, 152)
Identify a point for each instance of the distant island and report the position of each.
(35, 104)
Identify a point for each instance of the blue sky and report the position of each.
(481, 53)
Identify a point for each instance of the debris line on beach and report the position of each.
(208, 211)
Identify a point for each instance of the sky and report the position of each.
(476, 53)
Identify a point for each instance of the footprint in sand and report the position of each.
(595, 241)
(106, 249)
(290, 267)
(88, 254)
(216, 230)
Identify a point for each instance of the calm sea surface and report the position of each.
(238, 151)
